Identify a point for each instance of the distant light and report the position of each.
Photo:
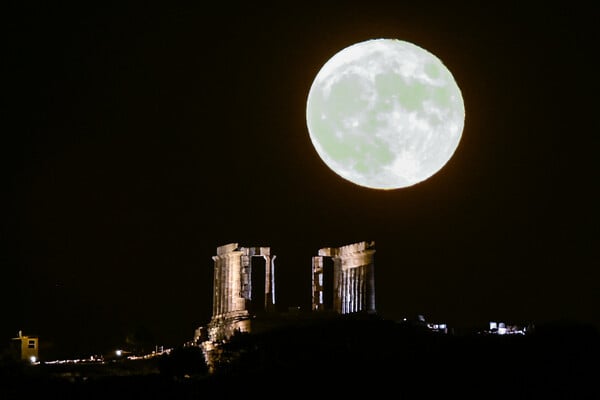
(33, 359)
(501, 331)
(119, 353)
(493, 325)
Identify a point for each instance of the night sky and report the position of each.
(138, 139)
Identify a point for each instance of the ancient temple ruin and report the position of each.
(343, 279)
(242, 288)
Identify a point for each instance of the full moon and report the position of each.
(385, 114)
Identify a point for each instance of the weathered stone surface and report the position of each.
(244, 290)
(351, 286)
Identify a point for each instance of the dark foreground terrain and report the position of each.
(343, 358)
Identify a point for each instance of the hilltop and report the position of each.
(342, 356)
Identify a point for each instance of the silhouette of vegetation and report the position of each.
(407, 358)
(183, 362)
(340, 356)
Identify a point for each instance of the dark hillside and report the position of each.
(344, 357)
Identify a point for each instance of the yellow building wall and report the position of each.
(29, 347)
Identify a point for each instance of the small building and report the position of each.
(27, 347)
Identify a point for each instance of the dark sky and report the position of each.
(137, 139)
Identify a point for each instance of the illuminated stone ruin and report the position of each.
(344, 279)
(242, 288)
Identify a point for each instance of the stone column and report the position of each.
(269, 283)
(216, 291)
(227, 289)
(317, 283)
(354, 277)
(338, 285)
